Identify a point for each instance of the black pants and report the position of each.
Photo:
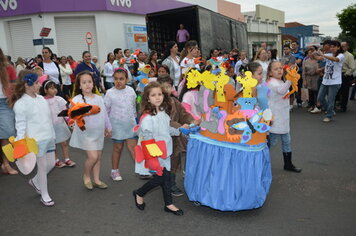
(181, 46)
(313, 95)
(67, 91)
(299, 93)
(164, 181)
(344, 91)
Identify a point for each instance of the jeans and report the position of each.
(164, 181)
(285, 138)
(330, 91)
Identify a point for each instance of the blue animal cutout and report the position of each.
(192, 129)
(142, 76)
(247, 103)
(250, 126)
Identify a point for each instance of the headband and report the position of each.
(47, 82)
(121, 69)
(30, 79)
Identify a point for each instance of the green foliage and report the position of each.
(347, 20)
(350, 40)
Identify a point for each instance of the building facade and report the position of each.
(264, 25)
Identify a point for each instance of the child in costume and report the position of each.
(189, 98)
(56, 105)
(120, 102)
(280, 109)
(154, 128)
(33, 120)
(178, 117)
(261, 91)
(97, 126)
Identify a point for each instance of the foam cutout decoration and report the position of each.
(222, 79)
(293, 76)
(247, 103)
(18, 149)
(247, 83)
(27, 163)
(194, 78)
(78, 111)
(142, 76)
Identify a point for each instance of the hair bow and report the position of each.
(30, 79)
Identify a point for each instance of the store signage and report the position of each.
(8, 4)
(121, 3)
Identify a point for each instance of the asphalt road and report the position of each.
(319, 201)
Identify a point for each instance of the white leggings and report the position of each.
(45, 164)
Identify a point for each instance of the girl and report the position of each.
(280, 110)
(332, 79)
(155, 125)
(261, 91)
(188, 55)
(35, 123)
(120, 102)
(97, 126)
(152, 61)
(163, 70)
(61, 130)
(109, 70)
(66, 71)
(189, 98)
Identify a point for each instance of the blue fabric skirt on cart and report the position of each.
(227, 176)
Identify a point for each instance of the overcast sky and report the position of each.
(307, 12)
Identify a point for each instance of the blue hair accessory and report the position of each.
(30, 79)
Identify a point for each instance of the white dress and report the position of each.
(92, 138)
(56, 105)
(121, 107)
(156, 127)
(279, 105)
(33, 120)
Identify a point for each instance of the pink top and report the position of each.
(182, 35)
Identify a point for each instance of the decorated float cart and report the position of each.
(228, 164)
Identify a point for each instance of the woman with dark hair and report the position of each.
(7, 116)
(152, 60)
(51, 69)
(332, 79)
(109, 71)
(172, 62)
(87, 65)
(272, 55)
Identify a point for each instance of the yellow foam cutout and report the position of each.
(154, 150)
(9, 152)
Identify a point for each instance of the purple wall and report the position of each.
(25, 7)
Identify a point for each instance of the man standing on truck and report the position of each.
(182, 37)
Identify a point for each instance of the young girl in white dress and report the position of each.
(33, 120)
(155, 125)
(56, 105)
(91, 140)
(120, 102)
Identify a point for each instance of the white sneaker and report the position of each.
(326, 120)
(315, 110)
(115, 175)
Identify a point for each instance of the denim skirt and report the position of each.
(7, 120)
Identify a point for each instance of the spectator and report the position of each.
(20, 65)
(182, 37)
(109, 71)
(66, 71)
(262, 58)
(172, 61)
(152, 60)
(242, 62)
(311, 77)
(73, 65)
(299, 56)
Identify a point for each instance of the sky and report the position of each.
(307, 12)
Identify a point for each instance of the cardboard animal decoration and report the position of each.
(293, 76)
(22, 152)
(247, 83)
(149, 151)
(142, 76)
(78, 111)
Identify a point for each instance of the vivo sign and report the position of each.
(8, 4)
(120, 3)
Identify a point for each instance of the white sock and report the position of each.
(113, 171)
(67, 159)
(44, 164)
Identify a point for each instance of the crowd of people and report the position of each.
(35, 90)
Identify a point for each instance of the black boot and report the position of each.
(174, 189)
(288, 165)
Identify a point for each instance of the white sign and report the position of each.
(6, 4)
(136, 37)
(121, 3)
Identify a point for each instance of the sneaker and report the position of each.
(315, 110)
(69, 163)
(310, 109)
(327, 120)
(115, 175)
(176, 192)
(60, 164)
(38, 191)
(47, 204)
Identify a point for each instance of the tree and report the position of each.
(347, 20)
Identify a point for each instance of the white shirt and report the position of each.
(333, 70)
(279, 105)
(2, 95)
(108, 72)
(66, 71)
(35, 122)
(51, 70)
